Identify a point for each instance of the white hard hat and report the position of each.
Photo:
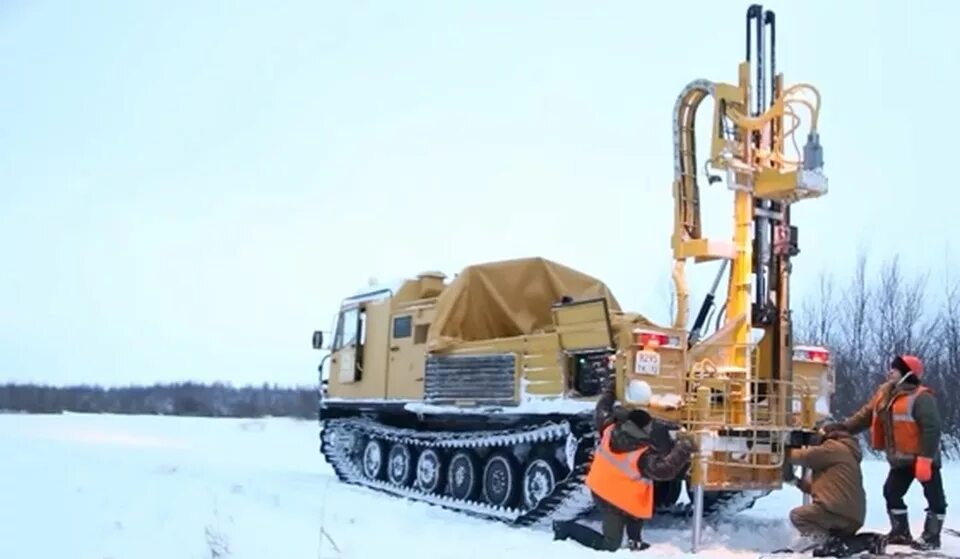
(638, 392)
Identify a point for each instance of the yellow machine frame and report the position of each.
(755, 380)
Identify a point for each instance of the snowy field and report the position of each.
(117, 487)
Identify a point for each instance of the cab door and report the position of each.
(347, 359)
(405, 379)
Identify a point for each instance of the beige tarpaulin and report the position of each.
(507, 298)
(633, 320)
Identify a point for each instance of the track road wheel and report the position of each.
(463, 476)
(373, 460)
(539, 478)
(400, 465)
(430, 471)
(501, 480)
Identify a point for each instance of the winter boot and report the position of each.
(831, 548)
(837, 545)
(877, 544)
(802, 544)
(635, 537)
(584, 535)
(870, 542)
(899, 528)
(560, 530)
(930, 539)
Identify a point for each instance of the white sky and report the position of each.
(189, 189)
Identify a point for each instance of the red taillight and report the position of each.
(821, 356)
(815, 354)
(647, 338)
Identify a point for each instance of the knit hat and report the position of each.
(639, 418)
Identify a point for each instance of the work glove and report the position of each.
(831, 427)
(687, 441)
(922, 469)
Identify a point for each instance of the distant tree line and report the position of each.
(877, 315)
(188, 398)
(874, 316)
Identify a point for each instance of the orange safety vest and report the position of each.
(616, 478)
(903, 440)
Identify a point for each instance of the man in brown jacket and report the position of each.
(839, 503)
(904, 422)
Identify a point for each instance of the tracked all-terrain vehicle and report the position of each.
(478, 393)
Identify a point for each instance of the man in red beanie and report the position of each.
(904, 421)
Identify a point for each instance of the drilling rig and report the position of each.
(744, 409)
(477, 394)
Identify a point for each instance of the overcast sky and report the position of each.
(189, 188)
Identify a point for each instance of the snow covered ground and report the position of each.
(115, 487)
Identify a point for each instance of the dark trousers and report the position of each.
(898, 483)
(615, 522)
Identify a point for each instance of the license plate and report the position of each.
(647, 363)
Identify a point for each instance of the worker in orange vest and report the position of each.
(904, 421)
(621, 476)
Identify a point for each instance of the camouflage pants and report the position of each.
(815, 521)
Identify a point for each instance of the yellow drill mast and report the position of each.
(749, 143)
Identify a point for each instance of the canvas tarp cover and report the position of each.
(507, 298)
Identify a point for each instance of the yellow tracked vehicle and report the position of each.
(477, 393)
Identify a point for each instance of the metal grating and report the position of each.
(482, 378)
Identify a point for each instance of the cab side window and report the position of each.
(349, 340)
(402, 327)
(347, 329)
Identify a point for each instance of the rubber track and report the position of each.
(569, 499)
